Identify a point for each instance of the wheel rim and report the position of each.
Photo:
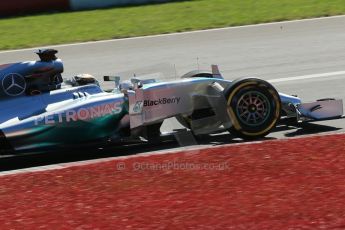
(253, 108)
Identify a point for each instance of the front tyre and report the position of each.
(254, 108)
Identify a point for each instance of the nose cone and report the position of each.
(5, 146)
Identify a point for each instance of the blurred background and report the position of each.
(38, 23)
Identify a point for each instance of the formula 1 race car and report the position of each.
(39, 110)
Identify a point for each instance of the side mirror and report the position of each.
(136, 83)
(215, 72)
(111, 78)
(115, 79)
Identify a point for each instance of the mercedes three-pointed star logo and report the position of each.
(13, 84)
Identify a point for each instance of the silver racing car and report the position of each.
(40, 110)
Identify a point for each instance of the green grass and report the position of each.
(38, 30)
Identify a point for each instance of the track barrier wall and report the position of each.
(17, 7)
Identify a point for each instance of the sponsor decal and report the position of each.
(138, 106)
(81, 114)
(13, 84)
(162, 101)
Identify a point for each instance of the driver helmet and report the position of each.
(84, 79)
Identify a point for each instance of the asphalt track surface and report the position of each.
(301, 57)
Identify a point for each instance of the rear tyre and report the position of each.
(254, 108)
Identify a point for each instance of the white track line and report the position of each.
(175, 33)
(303, 77)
